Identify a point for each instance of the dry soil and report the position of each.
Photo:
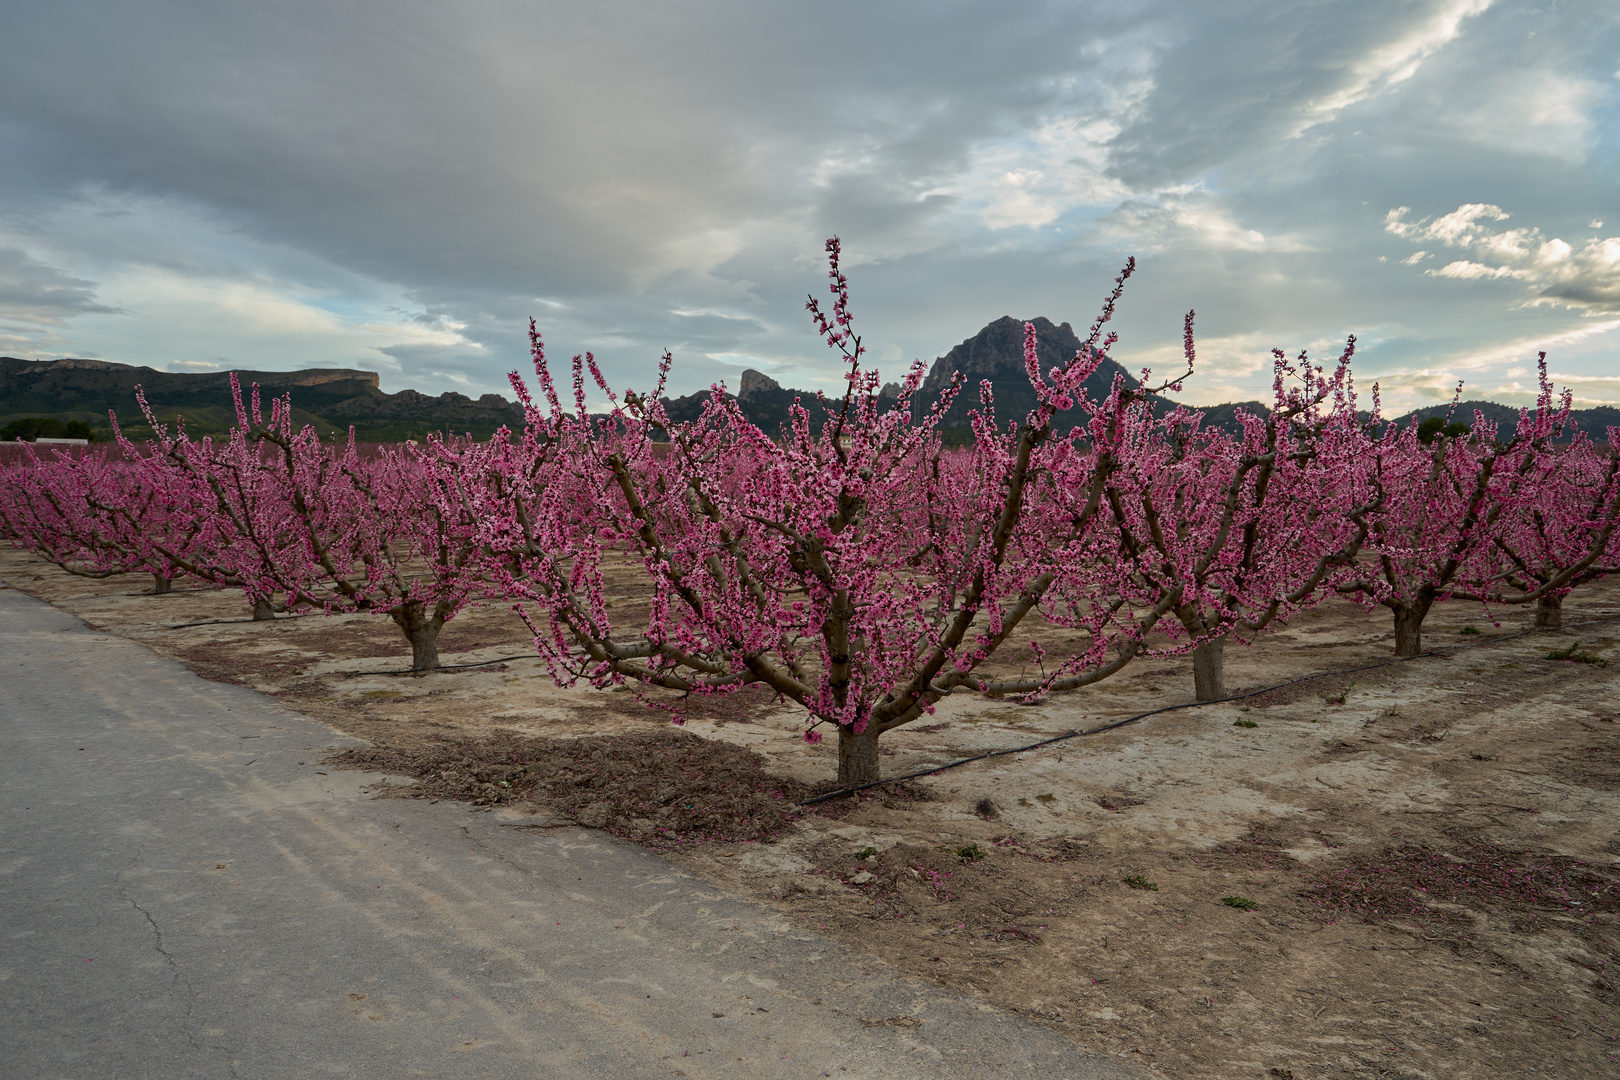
(1405, 871)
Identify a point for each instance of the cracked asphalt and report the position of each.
(184, 892)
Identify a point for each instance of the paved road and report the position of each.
(183, 894)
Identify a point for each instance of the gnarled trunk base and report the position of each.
(1550, 612)
(1409, 629)
(1209, 677)
(161, 585)
(422, 631)
(262, 610)
(857, 757)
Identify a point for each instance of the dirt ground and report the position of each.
(1409, 871)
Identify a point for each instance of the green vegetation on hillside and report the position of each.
(332, 400)
(30, 428)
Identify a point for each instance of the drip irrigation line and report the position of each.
(439, 667)
(227, 622)
(936, 770)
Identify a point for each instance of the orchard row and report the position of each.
(852, 563)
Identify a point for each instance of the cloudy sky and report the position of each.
(399, 186)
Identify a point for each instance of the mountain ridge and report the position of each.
(330, 398)
(333, 399)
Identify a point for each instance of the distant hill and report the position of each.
(1594, 422)
(330, 398)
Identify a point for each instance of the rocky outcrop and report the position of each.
(755, 384)
(996, 354)
(322, 376)
(79, 364)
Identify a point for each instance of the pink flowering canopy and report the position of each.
(853, 564)
(850, 564)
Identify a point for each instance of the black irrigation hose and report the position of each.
(440, 667)
(936, 770)
(349, 674)
(227, 622)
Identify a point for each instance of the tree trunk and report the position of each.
(262, 610)
(1550, 612)
(857, 757)
(1209, 679)
(422, 631)
(1409, 629)
(161, 585)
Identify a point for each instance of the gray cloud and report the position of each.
(545, 148)
(1239, 79)
(32, 292)
(1585, 274)
(420, 178)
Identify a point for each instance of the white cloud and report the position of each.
(1587, 391)
(1556, 272)
(1189, 218)
(1020, 200)
(1402, 391)
(1395, 61)
(1586, 332)
(1037, 177)
(1450, 229)
(180, 322)
(1473, 271)
(1496, 373)
(1226, 366)
(1550, 113)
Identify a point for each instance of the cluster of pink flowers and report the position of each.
(294, 522)
(853, 563)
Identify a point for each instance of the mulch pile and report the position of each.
(1404, 882)
(661, 789)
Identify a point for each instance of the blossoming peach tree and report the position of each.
(329, 529)
(53, 505)
(1563, 532)
(847, 567)
(1461, 517)
(1247, 529)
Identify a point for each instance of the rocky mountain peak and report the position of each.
(755, 383)
(996, 354)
